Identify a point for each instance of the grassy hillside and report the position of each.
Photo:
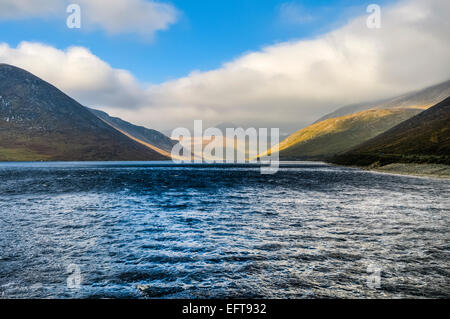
(422, 99)
(140, 133)
(338, 135)
(425, 138)
(17, 145)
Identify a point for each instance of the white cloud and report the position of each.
(77, 72)
(292, 84)
(21, 9)
(287, 85)
(115, 16)
(123, 16)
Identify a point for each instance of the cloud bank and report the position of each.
(288, 85)
(291, 84)
(144, 17)
(77, 72)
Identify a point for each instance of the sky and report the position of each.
(254, 63)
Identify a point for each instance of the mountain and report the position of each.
(148, 137)
(224, 125)
(338, 135)
(39, 122)
(418, 99)
(218, 143)
(424, 138)
(347, 127)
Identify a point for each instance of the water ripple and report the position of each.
(138, 230)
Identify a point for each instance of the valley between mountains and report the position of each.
(38, 122)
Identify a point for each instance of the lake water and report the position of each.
(142, 230)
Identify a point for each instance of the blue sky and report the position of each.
(207, 34)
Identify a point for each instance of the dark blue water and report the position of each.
(135, 230)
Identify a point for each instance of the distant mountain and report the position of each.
(224, 125)
(148, 137)
(418, 99)
(425, 138)
(39, 122)
(325, 139)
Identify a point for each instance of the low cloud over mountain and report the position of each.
(290, 84)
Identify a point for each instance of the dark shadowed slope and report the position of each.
(39, 122)
(425, 138)
(152, 138)
(340, 131)
(328, 138)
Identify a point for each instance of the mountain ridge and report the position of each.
(424, 138)
(332, 136)
(149, 137)
(40, 122)
(421, 98)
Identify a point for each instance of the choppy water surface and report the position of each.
(136, 230)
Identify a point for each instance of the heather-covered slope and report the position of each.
(425, 138)
(422, 99)
(325, 139)
(347, 127)
(152, 138)
(39, 122)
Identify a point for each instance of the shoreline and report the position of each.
(441, 171)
